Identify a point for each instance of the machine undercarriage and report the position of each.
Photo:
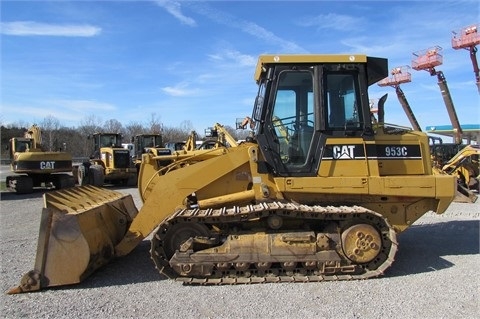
(273, 242)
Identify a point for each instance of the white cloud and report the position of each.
(245, 26)
(180, 89)
(174, 8)
(262, 33)
(367, 46)
(234, 57)
(333, 21)
(31, 28)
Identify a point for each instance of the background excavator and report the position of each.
(326, 203)
(33, 166)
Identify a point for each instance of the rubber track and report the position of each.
(292, 210)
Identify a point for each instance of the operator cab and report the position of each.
(19, 145)
(107, 140)
(23, 145)
(300, 105)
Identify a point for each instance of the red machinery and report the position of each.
(427, 60)
(468, 38)
(398, 76)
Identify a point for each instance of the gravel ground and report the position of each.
(434, 276)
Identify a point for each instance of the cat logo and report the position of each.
(47, 165)
(344, 152)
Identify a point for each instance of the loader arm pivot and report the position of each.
(157, 209)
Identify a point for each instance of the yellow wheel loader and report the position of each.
(34, 167)
(147, 143)
(109, 162)
(326, 203)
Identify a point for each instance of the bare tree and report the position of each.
(88, 126)
(19, 123)
(113, 126)
(71, 141)
(134, 128)
(155, 124)
(49, 127)
(174, 134)
(186, 126)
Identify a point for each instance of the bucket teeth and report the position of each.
(80, 199)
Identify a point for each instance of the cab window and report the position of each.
(341, 101)
(292, 117)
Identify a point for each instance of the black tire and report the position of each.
(75, 173)
(63, 181)
(83, 177)
(24, 185)
(97, 176)
(37, 181)
(132, 180)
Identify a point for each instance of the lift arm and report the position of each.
(447, 98)
(407, 108)
(473, 57)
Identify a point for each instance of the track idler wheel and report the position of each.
(180, 233)
(361, 243)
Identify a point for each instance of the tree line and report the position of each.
(58, 137)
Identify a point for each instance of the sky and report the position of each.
(193, 61)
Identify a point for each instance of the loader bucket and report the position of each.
(79, 229)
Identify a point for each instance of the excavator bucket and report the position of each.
(79, 230)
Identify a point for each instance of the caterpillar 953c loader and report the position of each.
(318, 193)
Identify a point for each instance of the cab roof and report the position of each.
(377, 67)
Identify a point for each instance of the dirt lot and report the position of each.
(435, 275)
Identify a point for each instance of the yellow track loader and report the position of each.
(326, 203)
